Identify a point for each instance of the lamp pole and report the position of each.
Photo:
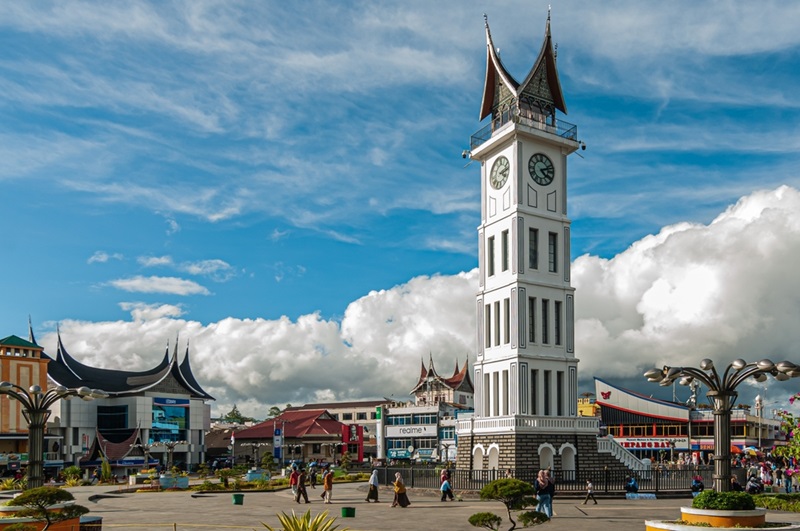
(146, 449)
(36, 404)
(722, 396)
(170, 446)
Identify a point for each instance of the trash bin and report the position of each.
(348, 512)
(238, 499)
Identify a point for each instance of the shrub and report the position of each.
(72, 472)
(513, 493)
(724, 501)
(486, 520)
(37, 503)
(780, 502)
(531, 518)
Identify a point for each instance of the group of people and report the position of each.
(299, 481)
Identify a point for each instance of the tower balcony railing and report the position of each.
(527, 422)
(552, 126)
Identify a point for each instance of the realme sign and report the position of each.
(428, 430)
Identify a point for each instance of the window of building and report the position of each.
(533, 248)
(425, 419)
(347, 416)
(496, 394)
(398, 444)
(545, 321)
(560, 393)
(398, 420)
(507, 321)
(490, 256)
(552, 249)
(535, 392)
(546, 392)
(427, 443)
(113, 418)
(373, 415)
(447, 433)
(532, 319)
(361, 416)
(316, 448)
(505, 392)
(557, 322)
(335, 416)
(486, 390)
(505, 250)
(497, 323)
(488, 332)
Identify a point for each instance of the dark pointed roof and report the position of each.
(541, 83)
(31, 337)
(460, 381)
(66, 370)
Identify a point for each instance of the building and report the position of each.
(302, 435)
(659, 429)
(23, 363)
(526, 369)
(363, 413)
(159, 413)
(424, 429)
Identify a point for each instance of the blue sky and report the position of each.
(266, 178)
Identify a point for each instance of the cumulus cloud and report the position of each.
(215, 269)
(102, 257)
(723, 290)
(154, 261)
(141, 311)
(172, 285)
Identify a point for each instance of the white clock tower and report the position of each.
(526, 372)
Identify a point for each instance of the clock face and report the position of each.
(541, 169)
(499, 174)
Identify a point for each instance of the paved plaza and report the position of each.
(183, 511)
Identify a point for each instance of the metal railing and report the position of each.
(605, 480)
(559, 128)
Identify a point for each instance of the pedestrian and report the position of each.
(400, 496)
(509, 474)
(301, 487)
(631, 486)
(372, 495)
(447, 491)
(293, 477)
(545, 488)
(327, 486)
(313, 477)
(589, 492)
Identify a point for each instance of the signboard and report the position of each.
(426, 430)
(398, 453)
(652, 443)
(174, 402)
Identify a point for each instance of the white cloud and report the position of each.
(217, 270)
(103, 257)
(153, 284)
(141, 311)
(154, 261)
(724, 290)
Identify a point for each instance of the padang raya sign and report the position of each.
(652, 443)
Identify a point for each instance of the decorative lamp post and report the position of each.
(146, 449)
(722, 396)
(170, 446)
(36, 404)
(255, 446)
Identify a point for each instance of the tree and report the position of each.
(790, 425)
(345, 461)
(275, 411)
(515, 495)
(38, 503)
(105, 470)
(235, 416)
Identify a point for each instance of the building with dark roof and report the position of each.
(143, 411)
(23, 363)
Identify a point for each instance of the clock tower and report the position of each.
(526, 370)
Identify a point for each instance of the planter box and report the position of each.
(718, 520)
(172, 482)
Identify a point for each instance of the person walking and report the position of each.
(327, 486)
(312, 476)
(545, 488)
(301, 487)
(447, 491)
(400, 496)
(372, 495)
(293, 477)
(589, 492)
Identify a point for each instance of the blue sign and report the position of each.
(397, 453)
(277, 431)
(175, 402)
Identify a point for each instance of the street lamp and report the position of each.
(36, 405)
(170, 446)
(255, 446)
(146, 449)
(722, 396)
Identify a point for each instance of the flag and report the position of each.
(233, 437)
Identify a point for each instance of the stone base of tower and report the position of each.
(531, 452)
